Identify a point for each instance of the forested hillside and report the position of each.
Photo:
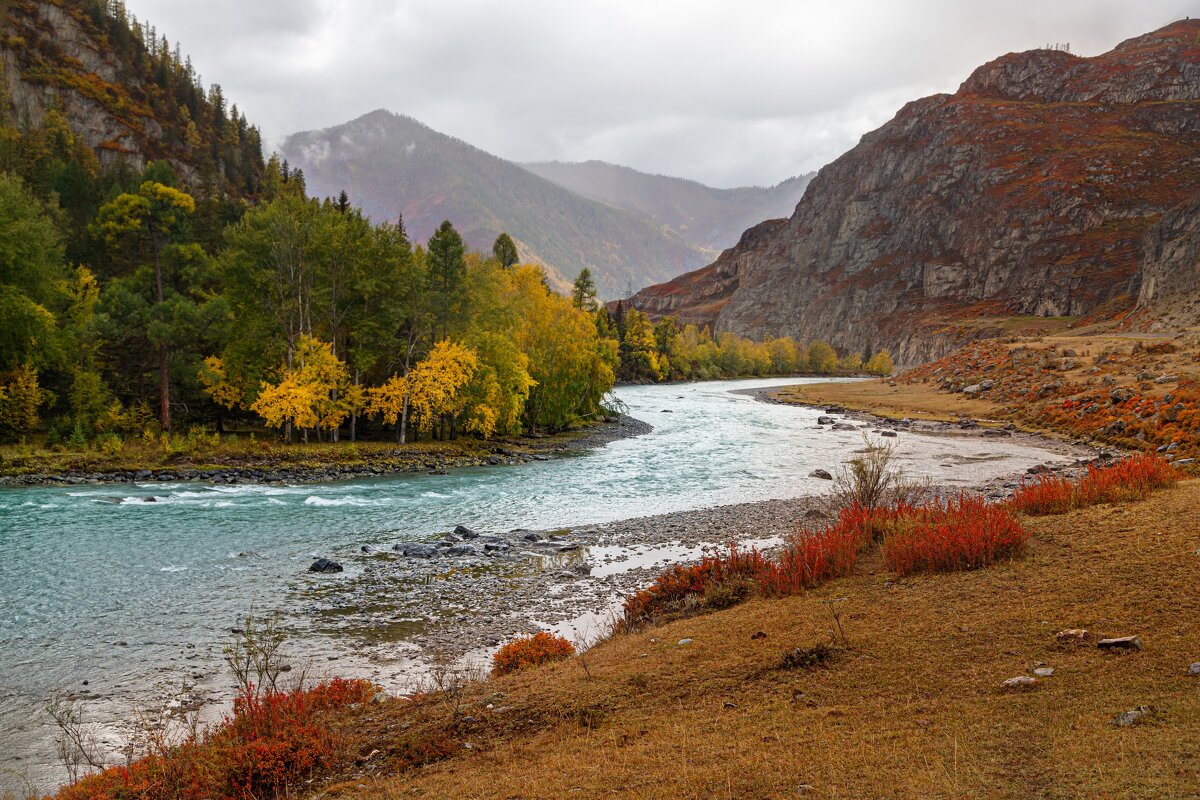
(394, 166)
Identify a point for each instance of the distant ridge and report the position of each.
(392, 165)
(711, 219)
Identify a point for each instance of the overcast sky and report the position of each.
(730, 93)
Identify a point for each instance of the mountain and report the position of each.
(1029, 191)
(711, 219)
(122, 89)
(392, 165)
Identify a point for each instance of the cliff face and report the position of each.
(1169, 281)
(128, 98)
(1027, 192)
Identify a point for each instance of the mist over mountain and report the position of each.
(712, 219)
(392, 165)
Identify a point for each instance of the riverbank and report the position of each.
(249, 460)
(910, 704)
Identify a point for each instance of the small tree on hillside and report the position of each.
(505, 251)
(583, 296)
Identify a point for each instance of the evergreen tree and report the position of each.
(505, 251)
(583, 296)
(447, 273)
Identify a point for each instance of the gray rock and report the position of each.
(683, 642)
(1044, 672)
(1121, 643)
(1194, 670)
(1133, 716)
(532, 537)
(822, 474)
(824, 420)
(416, 550)
(844, 426)
(889, 434)
(1019, 682)
(973, 389)
(460, 550)
(325, 565)
(465, 532)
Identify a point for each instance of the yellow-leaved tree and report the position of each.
(312, 392)
(433, 389)
(435, 385)
(880, 364)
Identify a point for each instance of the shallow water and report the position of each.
(98, 584)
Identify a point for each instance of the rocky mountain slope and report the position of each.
(122, 89)
(1029, 191)
(712, 219)
(392, 165)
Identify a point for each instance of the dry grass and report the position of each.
(915, 401)
(910, 708)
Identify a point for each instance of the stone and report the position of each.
(889, 434)
(1044, 672)
(683, 642)
(460, 550)
(973, 389)
(822, 474)
(844, 426)
(1020, 682)
(1194, 670)
(325, 565)
(1166, 379)
(465, 532)
(1072, 634)
(1121, 643)
(532, 537)
(824, 420)
(1133, 716)
(416, 550)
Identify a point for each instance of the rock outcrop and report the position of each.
(1027, 192)
(1169, 279)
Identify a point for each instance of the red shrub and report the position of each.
(966, 533)
(1125, 481)
(267, 744)
(530, 651)
(671, 588)
(813, 557)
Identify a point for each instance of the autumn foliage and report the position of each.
(530, 651)
(966, 533)
(271, 742)
(1125, 481)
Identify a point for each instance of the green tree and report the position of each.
(583, 295)
(447, 273)
(32, 280)
(505, 251)
(149, 217)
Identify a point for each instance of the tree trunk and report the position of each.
(403, 420)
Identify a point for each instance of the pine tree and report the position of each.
(505, 251)
(447, 276)
(583, 296)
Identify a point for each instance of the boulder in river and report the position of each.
(824, 420)
(823, 474)
(325, 565)
(465, 532)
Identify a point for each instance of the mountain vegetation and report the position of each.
(1037, 189)
(711, 219)
(393, 166)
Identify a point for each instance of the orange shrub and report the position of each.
(268, 744)
(966, 533)
(530, 651)
(671, 588)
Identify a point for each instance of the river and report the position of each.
(99, 584)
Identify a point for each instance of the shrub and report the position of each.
(966, 533)
(673, 587)
(269, 743)
(869, 480)
(530, 651)
(1125, 481)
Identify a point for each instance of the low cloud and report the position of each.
(728, 93)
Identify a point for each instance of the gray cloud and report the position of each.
(729, 93)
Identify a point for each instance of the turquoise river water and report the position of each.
(132, 596)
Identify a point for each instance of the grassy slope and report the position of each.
(911, 708)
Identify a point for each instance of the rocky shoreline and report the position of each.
(375, 465)
(467, 594)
